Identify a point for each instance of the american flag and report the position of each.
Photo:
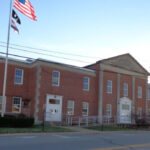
(25, 7)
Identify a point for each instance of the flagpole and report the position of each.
(6, 64)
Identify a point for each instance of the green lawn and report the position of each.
(34, 129)
(110, 128)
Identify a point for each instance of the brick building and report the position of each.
(44, 89)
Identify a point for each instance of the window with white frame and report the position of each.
(55, 78)
(139, 112)
(148, 94)
(16, 106)
(86, 83)
(139, 92)
(109, 86)
(70, 108)
(148, 112)
(108, 110)
(18, 76)
(85, 107)
(125, 89)
(1, 103)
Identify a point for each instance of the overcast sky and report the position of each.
(94, 28)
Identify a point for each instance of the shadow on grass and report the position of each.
(34, 129)
(111, 128)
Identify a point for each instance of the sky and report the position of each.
(95, 29)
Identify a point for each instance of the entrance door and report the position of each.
(53, 108)
(125, 110)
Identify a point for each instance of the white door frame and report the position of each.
(124, 115)
(48, 106)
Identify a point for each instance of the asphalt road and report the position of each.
(77, 141)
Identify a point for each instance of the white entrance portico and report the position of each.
(53, 108)
(124, 111)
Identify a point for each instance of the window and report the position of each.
(86, 83)
(1, 103)
(139, 92)
(109, 86)
(55, 78)
(18, 76)
(108, 110)
(85, 106)
(139, 112)
(125, 107)
(70, 108)
(148, 96)
(16, 107)
(125, 89)
(148, 112)
(54, 101)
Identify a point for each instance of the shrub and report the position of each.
(16, 121)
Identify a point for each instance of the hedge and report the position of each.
(16, 121)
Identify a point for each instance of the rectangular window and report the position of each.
(108, 110)
(18, 76)
(16, 107)
(55, 78)
(86, 83)
(70, 108)
(125, 107)
(148, 112)
(139, 92)
(1, 103)
(85, 107)
(109, 86)
(125, 89)
(148, 96)
(139, 112)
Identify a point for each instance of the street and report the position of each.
(77, 141)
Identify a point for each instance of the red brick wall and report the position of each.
(142, 101)
(25, 90)
(128, 80)
(107, 97)
(71, 88)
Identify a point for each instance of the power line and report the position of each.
(18, 56)
(46, 54)
(46, 50)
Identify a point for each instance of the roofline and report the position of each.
(67, 65)
(48, 61)
(100, 61)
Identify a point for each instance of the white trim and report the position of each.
(1, 103)
(139, 92)
(109, 86)
(70, 107)
(19, 107)
(87, 84)
(50, 96)
(109, 109)
(58, 78)
(21, 76)
(139, 112)
(86, 108)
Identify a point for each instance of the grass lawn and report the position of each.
(110, 128)
(34, 129)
